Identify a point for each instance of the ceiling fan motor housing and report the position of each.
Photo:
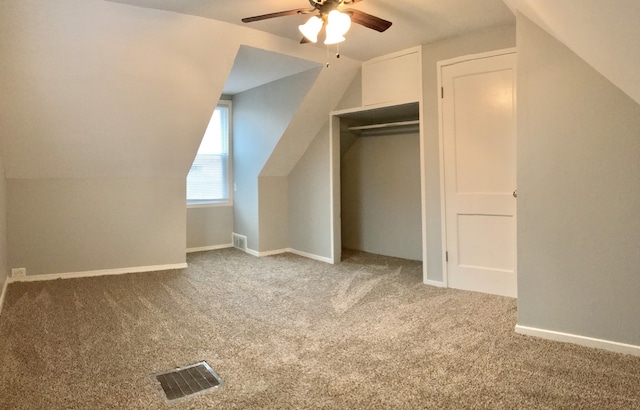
(325, 6)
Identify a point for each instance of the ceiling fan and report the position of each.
(330, 15)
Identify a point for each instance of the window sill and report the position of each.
(208, 204)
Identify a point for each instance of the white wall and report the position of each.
(578, 195)
(76, 225)
(119, 96)
(209, 226)
(380, 183)
(274, 213)
(309, 198)
(352, 97)
(260, 117)
(103, 110)
(309, 205)
(486, 40)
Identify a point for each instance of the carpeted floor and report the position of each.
(286, 332)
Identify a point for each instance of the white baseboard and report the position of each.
(289, 250)
(271, 253)
(210, 248)
(434, 283)
(3, 294)
(251, 252)
(310, 256)
(91, 273)
(266, 253)
(579, 340)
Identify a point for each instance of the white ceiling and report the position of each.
(271, 67)
(415, 22)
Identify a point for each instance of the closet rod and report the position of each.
(384, 125)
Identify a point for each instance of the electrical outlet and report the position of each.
(18, 272)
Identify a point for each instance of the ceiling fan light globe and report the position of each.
(334, 38)
(311, 28)
(338, 22)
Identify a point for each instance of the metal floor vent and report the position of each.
(188, 380)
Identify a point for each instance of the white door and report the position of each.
(479, 150)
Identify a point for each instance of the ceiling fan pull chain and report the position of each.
(328, 65)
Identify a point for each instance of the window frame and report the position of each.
(228, 202)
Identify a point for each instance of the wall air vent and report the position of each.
(239, 241)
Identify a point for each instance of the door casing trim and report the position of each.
(443, 225)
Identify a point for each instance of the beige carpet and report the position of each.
(287, 332)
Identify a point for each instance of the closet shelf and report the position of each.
(397, 124)
(381, 120)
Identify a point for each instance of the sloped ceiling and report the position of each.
(95, 89)
(606, 34)
(254, 67)
(91, 90)
(415, 22)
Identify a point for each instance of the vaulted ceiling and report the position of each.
(415, 22)
(605, 34)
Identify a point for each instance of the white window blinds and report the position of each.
(209, 177)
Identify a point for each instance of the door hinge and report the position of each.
(446, 256)
(441, 92)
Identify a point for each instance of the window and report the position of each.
(209, 179)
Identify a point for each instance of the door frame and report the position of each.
(335, 181)
(443, 222)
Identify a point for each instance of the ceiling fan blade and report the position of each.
(278, 14)
(367, 20)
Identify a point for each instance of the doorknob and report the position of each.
(515, 193)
